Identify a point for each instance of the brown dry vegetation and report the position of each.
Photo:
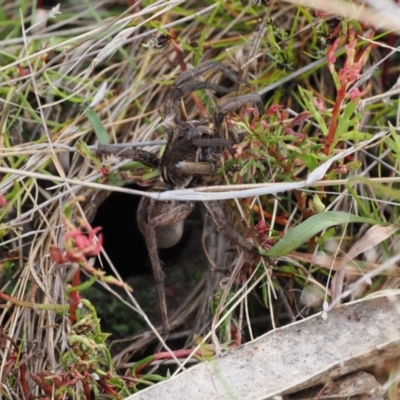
(102, 69)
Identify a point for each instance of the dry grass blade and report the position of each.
(372, 237)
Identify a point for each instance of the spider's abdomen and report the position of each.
(170, 235)
(166, 219)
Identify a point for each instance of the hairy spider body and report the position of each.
(168, 229)
(180, 148)
(192, 151)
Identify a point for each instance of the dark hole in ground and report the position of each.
(183, 265)
(123, 241)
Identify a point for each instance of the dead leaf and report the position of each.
(375, 235)
(298, 356)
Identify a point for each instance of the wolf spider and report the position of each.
(192, 151)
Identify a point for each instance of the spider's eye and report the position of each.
(182, 132)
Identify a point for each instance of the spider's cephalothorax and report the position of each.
(182, 158)
(192, 151)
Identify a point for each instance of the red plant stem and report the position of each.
(22, 367)
(24, 382)
(335, 116)
(46, 387)
(108, 389)
(167, 356)
(27, 304)
(74, 297)
(15, 301)
(178, 51)
(87, 391)
(279, 219)
(235, 336)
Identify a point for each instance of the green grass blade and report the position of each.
(309, 228)
(98, 127)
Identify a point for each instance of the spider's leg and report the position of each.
(234, 103)
(229, 105)
(204, 67)
(214, 142)
(172, 105)
(142, 156)
(173, 219)
(198, 85)
(218, 216)
(183, 85)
